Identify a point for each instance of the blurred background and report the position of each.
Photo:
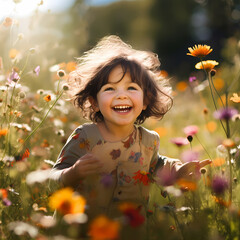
(61, 30)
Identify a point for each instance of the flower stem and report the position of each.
(210, 77)
(39, 125)
(203, 147)
(230, 176)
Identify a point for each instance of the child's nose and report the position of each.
(121, 94)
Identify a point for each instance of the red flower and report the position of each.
(141, 177)
(132, 213)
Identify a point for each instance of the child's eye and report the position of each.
(109, 89)
(132, 88)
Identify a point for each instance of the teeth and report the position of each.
(121, 107)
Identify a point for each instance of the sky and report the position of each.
(24, 8)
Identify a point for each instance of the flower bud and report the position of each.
(40, 91)
(189, 138)
(22, 95)
(61, 73)
(32, 50)
(203, 170)
(20, 36)
(65, 87)
(213, 72)
(205, 111)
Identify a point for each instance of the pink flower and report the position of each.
(179, 141)
(189, 156)
(165, 177)
(37, 70)
(192, 79)
(191, 130)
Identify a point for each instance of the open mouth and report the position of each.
(122, 109)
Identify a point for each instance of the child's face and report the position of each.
(120, 102)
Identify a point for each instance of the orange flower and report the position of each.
(229, 143)
(71, 66)
(222, 202)
(141, 177)
(207, 65)
(235, 98)
(66, 201)
(13, 53)
(211, 126)
(217, 162)
(102, 228)
(3, 193)
(218, 83)
(181, 86)
(161, 131)
(199, 51)
(186, 184)
(47, 98)
(3, 132)
(7, 22)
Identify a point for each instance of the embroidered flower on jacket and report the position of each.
(115, 153)
(142, 177)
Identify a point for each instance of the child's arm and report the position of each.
(74, 161)
(188, 170)
(85, 166)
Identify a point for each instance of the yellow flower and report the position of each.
(102, 228)
(66, 201)
(207, 65)
(235, 98)
(199, 51)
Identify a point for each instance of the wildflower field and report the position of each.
(204, 123)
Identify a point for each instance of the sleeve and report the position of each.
(160, 162)
(76, 146)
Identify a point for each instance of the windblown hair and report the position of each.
(95, 66)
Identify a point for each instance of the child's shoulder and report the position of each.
(148, 136)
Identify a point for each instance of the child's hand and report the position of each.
(190, 170)
(86, 165)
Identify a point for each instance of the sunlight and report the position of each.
(25, 8)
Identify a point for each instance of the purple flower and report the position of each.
(179, 141)
(6, 202)
(192, 79)
(219, 184)
(13, 77)
(107, 180)
(225, 113)
(37, 70)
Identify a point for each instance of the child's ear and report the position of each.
(144, 106)
(94, 104)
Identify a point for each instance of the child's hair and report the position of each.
(95, 66)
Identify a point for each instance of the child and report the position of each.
(117, 88)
